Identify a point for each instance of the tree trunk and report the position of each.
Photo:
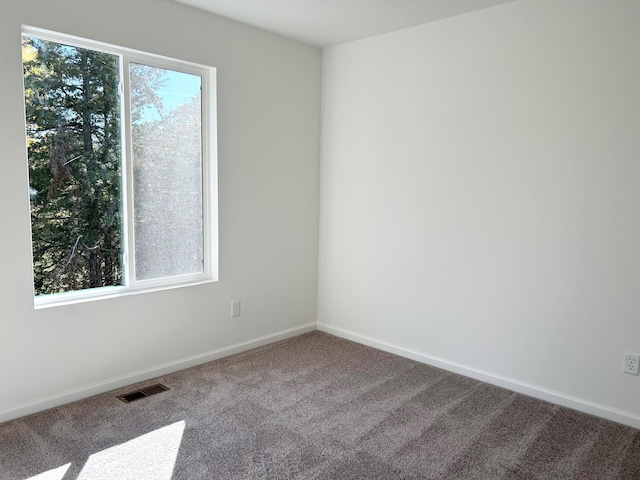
(93, 215)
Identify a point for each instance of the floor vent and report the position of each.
(143, 393)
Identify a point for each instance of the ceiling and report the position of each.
(329, 22)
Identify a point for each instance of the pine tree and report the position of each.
(73, 131)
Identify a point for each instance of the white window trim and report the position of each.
(209, 175)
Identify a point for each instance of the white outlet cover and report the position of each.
(631, 363)
(235, 308)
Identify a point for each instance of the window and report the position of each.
(121, 169)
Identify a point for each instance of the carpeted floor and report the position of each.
(317, 407)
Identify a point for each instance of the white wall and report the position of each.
(269, 147)
(480, 197)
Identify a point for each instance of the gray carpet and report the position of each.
(317, 407)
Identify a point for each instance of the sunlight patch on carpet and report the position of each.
(55, 474)
(149, 457)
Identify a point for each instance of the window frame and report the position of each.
(129, 284)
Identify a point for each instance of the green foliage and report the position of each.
(73, 138)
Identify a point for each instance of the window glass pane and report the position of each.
(72, 111)
(167, 172)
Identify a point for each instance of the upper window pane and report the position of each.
(166, 111)
(72, 111)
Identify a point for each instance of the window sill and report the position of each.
(102, 293)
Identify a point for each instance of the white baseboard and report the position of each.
(558, 398)
(57, 399)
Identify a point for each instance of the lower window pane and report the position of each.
(167, 172)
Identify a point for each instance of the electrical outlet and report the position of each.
(235, 309)
(631, 364)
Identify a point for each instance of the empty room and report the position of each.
(320, 239)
